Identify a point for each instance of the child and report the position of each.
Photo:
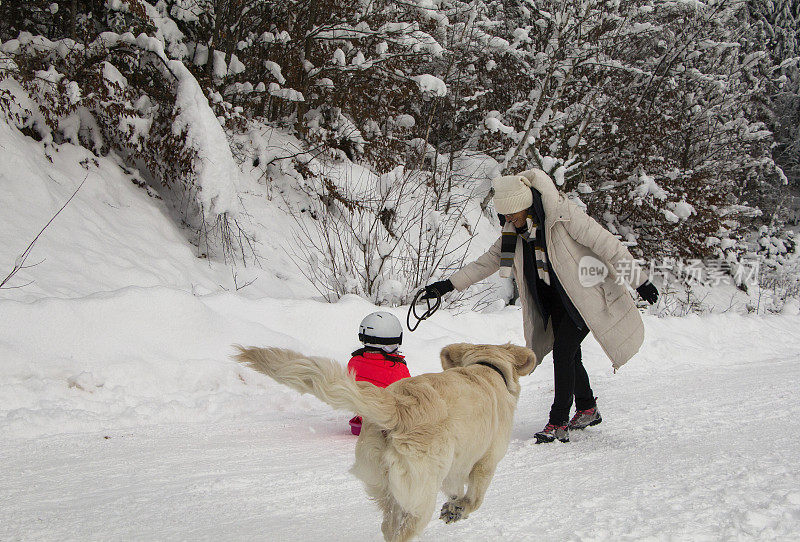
(379, 362)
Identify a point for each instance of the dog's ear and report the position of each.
(525, 358)
(452, 354)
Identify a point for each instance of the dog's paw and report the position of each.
(451, 511)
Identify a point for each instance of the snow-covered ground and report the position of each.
(123, 417)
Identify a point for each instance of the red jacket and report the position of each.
(377, 367)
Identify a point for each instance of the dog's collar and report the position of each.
(494, 368)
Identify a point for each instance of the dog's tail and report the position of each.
(325, 379)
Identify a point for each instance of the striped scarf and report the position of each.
(508, 245)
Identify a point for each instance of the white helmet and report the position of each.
(380, 328)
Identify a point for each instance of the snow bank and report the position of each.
(117, 233)
(142, 356)
(137, 356)
(112, 235)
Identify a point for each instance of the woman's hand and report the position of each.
(648, 292)
(437, 289)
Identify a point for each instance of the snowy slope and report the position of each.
(122, 416)
(113, 234)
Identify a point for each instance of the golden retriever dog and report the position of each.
(434, 431)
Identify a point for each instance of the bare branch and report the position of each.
(20, 262)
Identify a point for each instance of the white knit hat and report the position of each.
(511, 194)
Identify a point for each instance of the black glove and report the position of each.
(438, 288)
(648, 292)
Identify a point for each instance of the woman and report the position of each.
(547, 242)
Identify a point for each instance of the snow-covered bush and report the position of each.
(380, 237)
(668, 121)
(122, 94)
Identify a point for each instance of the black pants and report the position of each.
(571, 380)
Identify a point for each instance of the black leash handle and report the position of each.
(431, 308)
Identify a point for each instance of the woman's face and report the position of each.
(518, 218)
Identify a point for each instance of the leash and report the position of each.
(430, 308)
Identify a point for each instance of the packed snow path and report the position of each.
(139, 427)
